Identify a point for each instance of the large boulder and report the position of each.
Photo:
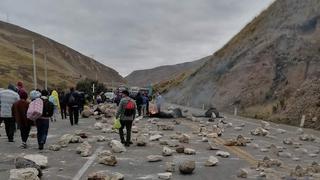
(85, 149)
(22, 163)
(117, 146)
(24, 174)
(166, 151)
(65, 140)
(184, 138)
(212, 161)
(40, 160)
(86, 113)
(154, 158)
(187, 167)
(142, 140)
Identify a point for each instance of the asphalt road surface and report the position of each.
(67, 164)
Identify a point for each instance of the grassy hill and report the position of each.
(65, 65)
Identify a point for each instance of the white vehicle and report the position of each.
(110, 96)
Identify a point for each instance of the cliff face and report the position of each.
(65, 65)
(270, 69)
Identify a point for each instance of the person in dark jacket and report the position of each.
(139, 102)
(126, 116)
(19, 111)
(72, 99)
(63, 105)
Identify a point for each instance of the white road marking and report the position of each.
(87, 164)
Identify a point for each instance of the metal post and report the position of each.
(34, 66)
(45, 71)
(93, 91)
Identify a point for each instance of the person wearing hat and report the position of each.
(7, 98)
(19, 111)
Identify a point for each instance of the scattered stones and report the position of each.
(180, 149)
(242, 173)
(76, 139)
(156, 137)
(117, 146)
(265, 125)
(86, 113)
(170, 167)
(268, 163)
(165, 127)
(187, 167)
(212, 161)
(240, 141)
(142, 140)
(40, 160)
(264, 150)
(212, 135)
(65, 140)
(217, 130)
(314, 168)
(21, 163)
(103, 176)
(229, 125)
(24, 174)
(288, 141)
(101, 138)
(84, 149)
(204, 139)
(98, 126)
(285, 154)
(82, 134)
(189, 151)
(300, 131)
(223, 154)
(154, 158)
(134, 129)
(184, 138)
(299, 172)
(238, 128)
(281, 131)
(167, 151)
(259, 132)
(212, 146)
(307, 137)
(54, 147)
(167, 175)
(109, 160)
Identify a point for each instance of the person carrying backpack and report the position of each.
(126, 113)
(72, 99)
(42, 123)
(19, 112)
(63, 105)
(139, 102)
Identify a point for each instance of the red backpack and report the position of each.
(129, 109)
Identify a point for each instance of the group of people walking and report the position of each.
(20, 111)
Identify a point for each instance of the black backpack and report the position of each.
(72, 99)
(48, 108)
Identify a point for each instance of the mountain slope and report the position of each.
(65, 65)
(162, 73)
(265, 69)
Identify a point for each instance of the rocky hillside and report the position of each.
(270, 69)
(162, 73)
(65, 65)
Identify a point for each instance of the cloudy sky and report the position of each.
(129, 35)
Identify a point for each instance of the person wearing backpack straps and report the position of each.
(72, 100)
(126, 113)
(42, 123)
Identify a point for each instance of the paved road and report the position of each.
(65, 164)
